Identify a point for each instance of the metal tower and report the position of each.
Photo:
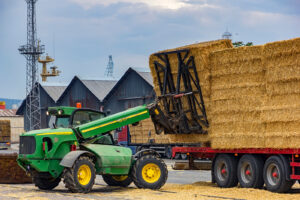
(226, 35)
(31, 51)
(110, 67)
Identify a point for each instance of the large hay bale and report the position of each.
(5, 131)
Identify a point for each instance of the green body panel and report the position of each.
(112, 159)
(114, 121)
(48, 161)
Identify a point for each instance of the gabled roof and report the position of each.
(54, 91)
(99, 88)
(145, 75)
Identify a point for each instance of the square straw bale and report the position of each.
(273, 48)
(238, 92)
(188, 138)
(236, 105)
(283, 73)
(237, 80)
(280, 115)
(276, 102)
(283, 87)
(237, 141)
(237, 128)
(232, 116)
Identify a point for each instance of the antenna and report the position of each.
(110, 67)
(32, 50)
(227, 34)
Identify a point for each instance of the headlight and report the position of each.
(47, 112)
(60, 112)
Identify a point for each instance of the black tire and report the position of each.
(154, 169)
(114, 180)
(73, 182)
(275, 175)
(225, 171)
(168, 152)
(250, 171)
(44, 183)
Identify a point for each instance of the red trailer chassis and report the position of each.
(291, 157)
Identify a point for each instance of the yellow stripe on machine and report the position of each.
(119, 120)
(57, 133)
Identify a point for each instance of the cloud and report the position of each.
(164, 4)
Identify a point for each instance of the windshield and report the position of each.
(83, 117)
(59, 121)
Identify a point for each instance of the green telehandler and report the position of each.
(78, 145)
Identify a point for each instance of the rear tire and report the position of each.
(149, 172)
(80, 178)
(250, 171)
(115, 180)
(225, 171)
(45, 183)
(275, 175)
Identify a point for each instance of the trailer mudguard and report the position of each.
(72, 156)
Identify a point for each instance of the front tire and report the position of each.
(80, 178)
(275, 175)
(44, 183)
(149, 172)
(115, 180)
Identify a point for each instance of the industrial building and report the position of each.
(48, 96)
(133, 88)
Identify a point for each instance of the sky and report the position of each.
(81, 34)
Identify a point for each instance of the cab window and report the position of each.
(83, 117)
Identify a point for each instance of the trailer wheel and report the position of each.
(81, 176)
(225, 170)
(149, 172)
(45, 183)
(275, 175)
(250, 171)
(117, 180)
(168, 152)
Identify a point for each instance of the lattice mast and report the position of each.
(31, 51)
(110, 67)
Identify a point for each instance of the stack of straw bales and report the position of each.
(237, 93)
(281, 109)
(5, 131)
(201, 53)
(252, 94)
(140, 133)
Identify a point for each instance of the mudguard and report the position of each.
(72, 156)
(144, 152)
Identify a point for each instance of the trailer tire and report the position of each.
(275, 175)
(250, 171)
(150, 172)
(80, 178)
(115, 180)
(44, 183)
(225, 171)
(168, 152)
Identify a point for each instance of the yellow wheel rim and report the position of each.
(84, 174)
(120, 178)
(151, 173)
